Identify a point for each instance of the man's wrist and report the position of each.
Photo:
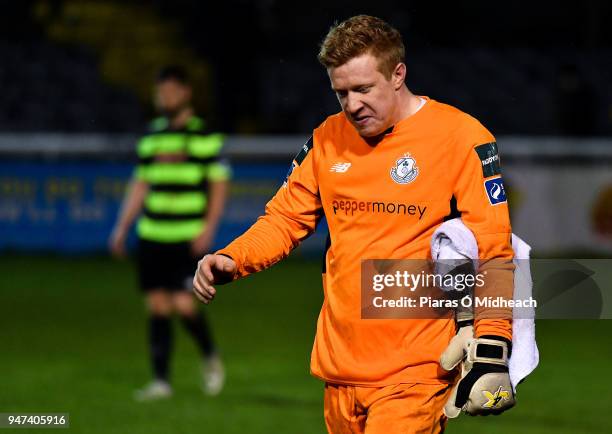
(500, 338)
(493, 327)
(228, 254)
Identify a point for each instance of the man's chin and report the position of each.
(368, 132)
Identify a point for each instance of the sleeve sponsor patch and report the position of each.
(495, 190)
(489, 158)
(303, 152)
(306, 147)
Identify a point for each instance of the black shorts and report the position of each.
(168, 266)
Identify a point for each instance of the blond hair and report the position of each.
(359, 35)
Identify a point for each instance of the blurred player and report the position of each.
(385, 172)
(180, 187)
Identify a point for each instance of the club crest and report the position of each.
(405, 170)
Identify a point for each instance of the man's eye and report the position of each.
(341, 94)
(363, 90)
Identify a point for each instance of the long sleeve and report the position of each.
(481, 200)
(290, 216)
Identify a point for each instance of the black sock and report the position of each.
(198, 328)
(160, 341)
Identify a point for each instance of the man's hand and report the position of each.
(116, 243)
(201, 244)
(212, 269)
(484, 387)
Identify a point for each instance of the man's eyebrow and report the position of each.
(356, 87)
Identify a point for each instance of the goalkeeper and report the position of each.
(390, 153)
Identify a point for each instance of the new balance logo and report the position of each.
(340, 167)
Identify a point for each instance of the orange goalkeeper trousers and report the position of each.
(400, 408)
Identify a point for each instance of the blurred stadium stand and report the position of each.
(78, 65)
(513, 91)
(54, 88)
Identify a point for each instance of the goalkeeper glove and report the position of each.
(484, 387)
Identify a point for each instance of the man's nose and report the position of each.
(353, 103)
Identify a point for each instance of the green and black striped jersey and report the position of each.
(177, 165)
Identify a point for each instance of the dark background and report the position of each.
(535, 67)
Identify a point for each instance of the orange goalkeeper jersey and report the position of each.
(384, 201)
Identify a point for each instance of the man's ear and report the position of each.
(399, 76)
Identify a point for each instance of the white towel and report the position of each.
(453, 240)
(525, 355)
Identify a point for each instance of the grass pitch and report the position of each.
(72, 339)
